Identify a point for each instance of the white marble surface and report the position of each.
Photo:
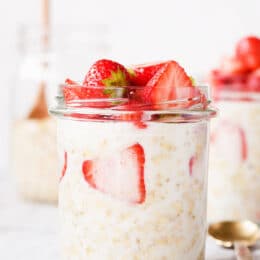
(30, 231)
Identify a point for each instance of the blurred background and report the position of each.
(196, 33)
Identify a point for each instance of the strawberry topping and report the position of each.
(238, 72)
(163, 85)
(107, 84)
(141, 74)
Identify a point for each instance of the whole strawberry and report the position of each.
(248, 50)
(104, 74)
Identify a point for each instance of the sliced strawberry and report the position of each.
(163, 85)
(106, 73)
(65, 165)
(253, 81)
(74, 92)
(170, 83)
(105, 79)
(120, 175)
(233, 134)
(83, 96)
(141, 74)
(134, 116)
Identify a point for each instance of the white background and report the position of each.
(194, 32)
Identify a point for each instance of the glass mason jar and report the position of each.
(133, 183)
(42, 67)
(234, 172)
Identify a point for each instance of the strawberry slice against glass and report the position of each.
(102, 76)
(120, 175)
(229, 133)
(253, 81)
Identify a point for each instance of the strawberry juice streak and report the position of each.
(130, 192)
(234, 172)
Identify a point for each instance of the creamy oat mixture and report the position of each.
(34, 159)
(170, 223)
(234, 172)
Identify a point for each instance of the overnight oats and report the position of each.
(34, 154)
(133, 153)
(234, 172)
(33, 158)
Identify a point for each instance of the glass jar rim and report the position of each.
(112, 109)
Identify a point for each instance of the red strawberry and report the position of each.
(141, 74)
(99, 82)
(74, 92)
(171, 83)
(106, 73)
(162, 86)
(236, 135)
(248, 50)
(120, 175)
(253, 81)
(233, 65)
(134, 116)
(71, 82)
(65, 165)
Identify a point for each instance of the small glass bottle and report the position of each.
(45, 61)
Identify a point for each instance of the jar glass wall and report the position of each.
(234, 172)
(132, 189)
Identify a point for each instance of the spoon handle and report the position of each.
(242, 252)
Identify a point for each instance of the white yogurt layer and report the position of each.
(34, 159)
(169, 224)
(234, 176)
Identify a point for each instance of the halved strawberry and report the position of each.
(106, 73)
(74, 92)
(235, 134)
(134, 116)
(170, 87)
(120, 175)
(162, 86)
(253, 81)
(105, 79)
(248, 50)
(141, 74)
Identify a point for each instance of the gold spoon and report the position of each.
(239, 234)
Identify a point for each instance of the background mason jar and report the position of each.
(46, 60)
